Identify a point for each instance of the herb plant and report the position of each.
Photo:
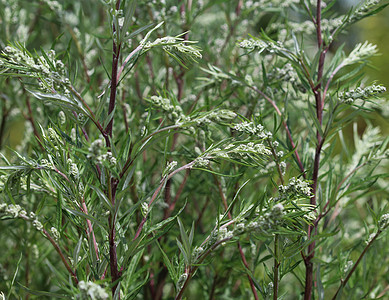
(190, 149)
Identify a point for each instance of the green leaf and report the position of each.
(128, 17)
(76, 252)
(62, 101)
(172, 273)
(83, 215)
(59, 211)
(136, 290)
(50, 295)
(132, 267)
(102, 197)
(14, 277)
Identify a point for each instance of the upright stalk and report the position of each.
(277, 263)
(276, 266)
(112, 182)
(116, 45)
(312, 229)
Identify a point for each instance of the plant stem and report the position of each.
(58, 249)
(276, 236)
(30, 118)
(344, 282)
(114, 80)
(112, 182)
(312, 229)
(4, 116)
(252, 286)
(115, 274)
(90, 229)
(276, 266)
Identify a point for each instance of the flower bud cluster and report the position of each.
(249, 128)
(107, 157)
(95, 148)
(61, 118)
(181, 281)
(175, 111)
(91, 290)
(383, 223)
(54, 5)
(197, 252)
(363, 10)
(55, 233)
(169, 168)
(252, 129)
(347, 266)
(360, 53)
(251, 44)
(44, 163)
(201, 162)
(251, 5)
(308, 27)
(73, 168)
(53, 136)
(16, 211)
(52, 76)
(96, 152)
(260, 45)
(222, 115)
(175, 44)
(268, 220)
(296, 186)
(250, 148)
(144, 209)
(162, 10)
(361, 94)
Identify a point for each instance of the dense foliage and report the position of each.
(190, 149)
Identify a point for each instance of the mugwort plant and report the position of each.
(190, 150)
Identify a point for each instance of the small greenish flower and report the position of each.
(249, 127)
(14, 210)
(61, 118)
(361, 93)
(38, 225)
(197, 251)
(95, 148)
(91, 290)
(74, 170)
(144, 209)
(361, 52)
(53, 135)
(364, 9)
(298, 186)
(181, 281)
(201, 162)
(55, 232)
(169, 168)
(239, 228)
(383, 222)
(277, 211)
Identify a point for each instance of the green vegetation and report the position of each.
(190, 150)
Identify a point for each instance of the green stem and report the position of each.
(276, 267)
(344, 282)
